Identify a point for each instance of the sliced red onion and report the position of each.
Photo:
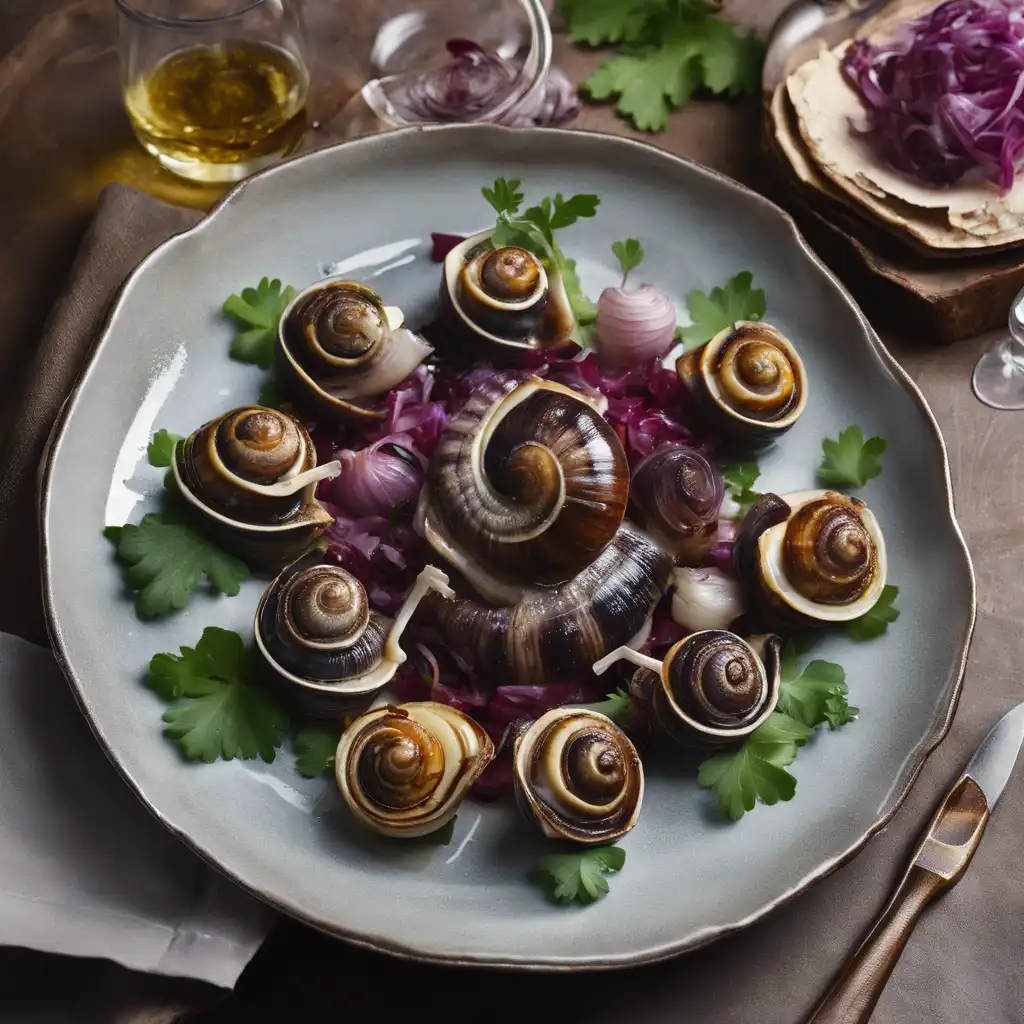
(634, 325)
(442, 243)
(557, 103)
(373, 481)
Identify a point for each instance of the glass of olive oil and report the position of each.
(215, 89)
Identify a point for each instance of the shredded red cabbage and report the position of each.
(945, 97)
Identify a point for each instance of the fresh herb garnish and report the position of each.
(257, 311)
(757, 770)
(851, 461)
(721, 308)
(163, 559)
(816, 695)
(630, 255)
(219, 711)
(579, 875)
(161, 449)
(315, 747)
(270, 395)
(740, 477)
(672, 49)
(534, 229)
(876, 621)
(615, 705)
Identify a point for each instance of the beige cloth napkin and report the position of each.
(963, 964)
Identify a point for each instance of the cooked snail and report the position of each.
(675, 495)
(250, 475)
(323, 644)
(557, 633)
(578, 776)
(711, 688)
(499, 303)
(403, 771)
(338, 343)
(705, 598)
(813, 558)
(749, 380)
(528, 485)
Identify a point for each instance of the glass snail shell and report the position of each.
(250, 476)
(403, 771)
(811, 559)
(578, 776)
(749, 380)
(321, 643)
(338, 344)
(710, 689)
(527, 486)
(501, 303)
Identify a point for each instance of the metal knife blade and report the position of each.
(993, 761)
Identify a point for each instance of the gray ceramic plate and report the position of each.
(162, 362)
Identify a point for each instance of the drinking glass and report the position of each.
(999, 374)
(214, 89)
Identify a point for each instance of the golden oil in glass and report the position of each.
(218, 112)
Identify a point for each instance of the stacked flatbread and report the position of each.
(814, 117)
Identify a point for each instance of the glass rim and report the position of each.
(127, 8)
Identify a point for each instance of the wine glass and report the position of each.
(999, 374)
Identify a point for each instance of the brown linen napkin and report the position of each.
(963, 964)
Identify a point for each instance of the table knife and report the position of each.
(938, 863)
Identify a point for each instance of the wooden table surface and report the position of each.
(63, 135)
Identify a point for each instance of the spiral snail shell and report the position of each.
(322, 643)
(404, 770)
(749, 380)
(338, 344)
(557, 633)
(528, 485)
(813, 558)
(578, 776)
(676, 494)
(711, 688)
(250, 476)
(499, 303)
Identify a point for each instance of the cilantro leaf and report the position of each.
(851, 461)
(315, 747)
(757, 770)
(161, 449)
(630, 255)
(163, 559)
(567, 211)
(219, 712)
(607, 21)
(615, 705)
(740, 477)
(721, 308)
(875, 622)
(579, 875)
(816, 695)
(258, 310)
(504, 195)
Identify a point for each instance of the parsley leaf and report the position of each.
(257, 312)
(163, 559)
(579, 875)
(615, 705)
(316, 747)
(740, 477)
(606, 21)
(630, 255)
(161, 449)
(757, 770)
(875, 622)
(721, 308)
(583, 308)
(219, 712)
(504, 195)
(851, 461)
(816, 695)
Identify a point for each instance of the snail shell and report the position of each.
(250, 475)
(578, 776)
(403, 771)
(499, 303)
(676, 494)
(528, 485)
(322, 643)
(750, 382)
(813, 558)
(557, 633)
(338, 343)
(711, 688)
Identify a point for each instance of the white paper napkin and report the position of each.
(85, 870)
